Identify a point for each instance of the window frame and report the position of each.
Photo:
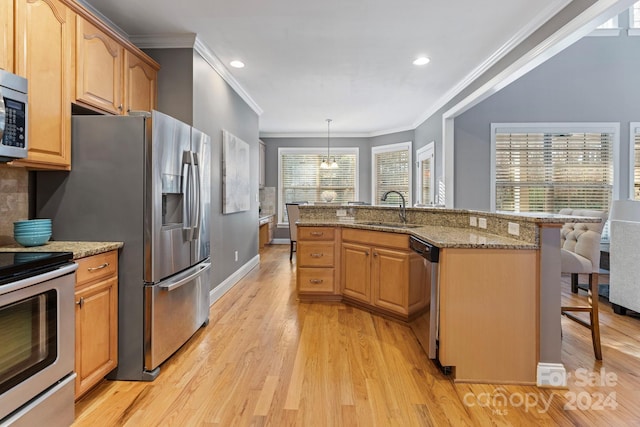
(634, 129)
(633, 31)
(421, 154)
(569, 127)
(321, 151)
(398, 146)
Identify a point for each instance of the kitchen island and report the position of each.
(498, 288)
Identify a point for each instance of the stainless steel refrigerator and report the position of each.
(144, 180)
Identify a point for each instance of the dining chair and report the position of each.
(580, 254)
(293, 213)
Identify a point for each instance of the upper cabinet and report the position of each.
(99, 68)
(140, 82)
(6, 35)
(44, 44)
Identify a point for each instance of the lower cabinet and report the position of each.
(380, 271)
(317, 263)
(96, 319)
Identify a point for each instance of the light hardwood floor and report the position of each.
(267, 359)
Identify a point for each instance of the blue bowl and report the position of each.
(33, 241)
(35, 234)
(32, 221)
(35, 227)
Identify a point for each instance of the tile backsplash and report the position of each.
(14, 200)
(268, 201)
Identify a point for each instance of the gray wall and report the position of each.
(594, 80)
(190, 89)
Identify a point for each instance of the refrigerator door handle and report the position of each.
(183, 281)
(187, 189)
(198, 199)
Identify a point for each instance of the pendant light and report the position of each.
(329, 162)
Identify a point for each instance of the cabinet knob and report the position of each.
(375, 253)
(120, 107)
(366, 253)
(80, 302)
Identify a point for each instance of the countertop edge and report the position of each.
(79, 249)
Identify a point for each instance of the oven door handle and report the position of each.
(183, 281)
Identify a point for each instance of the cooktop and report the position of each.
(16, 266)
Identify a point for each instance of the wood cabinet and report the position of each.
(140, 82)
(380, 271)
(489, 314)
(96, 319)
(99, 68)
(44, 44)
(6, 35)
(266, 229)
(317, 263)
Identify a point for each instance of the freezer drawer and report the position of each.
(174, 310)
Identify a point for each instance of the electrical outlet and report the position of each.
(341, 212)
(482, 222)
(514, 228)
(473, 221)
(236, 256)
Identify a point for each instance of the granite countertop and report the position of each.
(79, 249)
(440, 236)
(264, 218)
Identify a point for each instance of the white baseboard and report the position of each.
(216, 293)
(551, 375)
(280, 241)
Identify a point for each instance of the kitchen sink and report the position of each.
(390, 224)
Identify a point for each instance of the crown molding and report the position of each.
(95, 12)
(190, 40)
(313, 135)
(544, 16)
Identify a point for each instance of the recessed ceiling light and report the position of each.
(423, 60)
(237, 64)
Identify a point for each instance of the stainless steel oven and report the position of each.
(13, 117)
(37, 336)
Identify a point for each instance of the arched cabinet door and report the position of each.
(44, 43)
(140, 79)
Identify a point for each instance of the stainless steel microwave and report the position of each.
(13, 117)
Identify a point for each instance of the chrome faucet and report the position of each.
(403, 206)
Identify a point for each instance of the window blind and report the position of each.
(545, 172)
(635, 15)
(392, 171)
(425, 171)
(302, 179)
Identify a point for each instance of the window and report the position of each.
(425, 174)
(635, 160)
(634, 16)
(302, 179)
(391, 170)
(547, 167)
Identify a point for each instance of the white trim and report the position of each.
(633, 128)
(95, 12)
(573, 31)
(422, 154)
(633, 32)
(398, 146)
(173, 41)
(569, 127)
(216, 293)
(534, 24)
(371, 134)
(605, 32)
(281, 241)
(551, 375)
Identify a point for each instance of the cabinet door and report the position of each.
(96, 333)
(44, 45)
(261, 165)
(6, 35)
(356, 271)
(140, 81)
(390, 280)
(98, 69)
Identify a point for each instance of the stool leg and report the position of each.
(574, 283)
(595, 322)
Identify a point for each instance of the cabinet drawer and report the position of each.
(315, 254)
(97, 267)
(316, 233)
(315, 279)
(377, 238)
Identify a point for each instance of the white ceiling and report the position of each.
(349, 60)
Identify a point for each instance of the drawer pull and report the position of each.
(100, 267)
(316, 281)
(316, 255)
(80, 302)
(317, 233)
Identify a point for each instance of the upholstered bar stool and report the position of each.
(293, 213)
(580, 250)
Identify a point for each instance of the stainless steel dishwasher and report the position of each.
(431, 254)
